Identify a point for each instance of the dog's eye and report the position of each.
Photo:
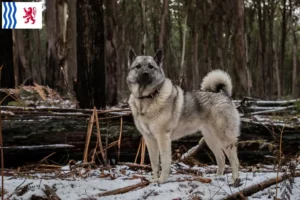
(138, 66)
(150, 66)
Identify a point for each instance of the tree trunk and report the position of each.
(182, 80)
(239, 46)
(91, 76)
(162, 23)
(195, 40)
(71, 69)
(111, 53)
(277, 73)
(283, 39)
(6, 59)
(56, 28)
(144, 27)
(20, 62)
(295, 80)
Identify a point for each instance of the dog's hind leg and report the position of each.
(215, 147)
(231, 153)
(164, 145)
(153, 151)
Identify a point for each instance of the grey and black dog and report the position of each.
(163, 112)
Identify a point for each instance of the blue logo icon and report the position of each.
(9, 10)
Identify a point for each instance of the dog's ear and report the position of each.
(131, 56)
(158, 57)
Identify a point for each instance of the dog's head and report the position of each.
(145, 73)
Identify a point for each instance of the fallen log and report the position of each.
(271, 110)
(258, 187)
(29, 138)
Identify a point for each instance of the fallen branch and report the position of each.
(50, 193)
(88, 137)
(124, 189)
(270, 111)
(258, 187)
(200, 179)
(45, 158)
(194, 150)
(134, 165)
(99, 141)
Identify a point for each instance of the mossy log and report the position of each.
(29, 134)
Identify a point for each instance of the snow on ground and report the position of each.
(90, 183)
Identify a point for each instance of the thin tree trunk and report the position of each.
(278, 84)
(162, 23)
(91, 77)
(239, 40)
(182, 66)
(283, 39)
(144, 27)
(6, 59)
(56, 29)
(71, 69)
(295, 80)
(111, 53)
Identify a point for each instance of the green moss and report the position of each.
(297, 106)
(16, 103)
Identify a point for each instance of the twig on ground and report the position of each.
(99, 141)
(194, 150)
(120, 138)
(200, 179)
(143, 152)
(134, 165)
(50, 193)
(88, 137)
(258, 187)
(279, 159)
(124, 189)
(22, 190)
(41, 161)
(138, 152)
(146, 196)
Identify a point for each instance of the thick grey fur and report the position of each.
(163, 112)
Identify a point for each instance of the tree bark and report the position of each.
(91, 76)
(56, 28)
(182, 81)
(282, 42)
(195, 40)
(71, 69)
(144, 27)
(162, 23)
(294, 78)
(6, 59)
(111, 53)
(239, 46)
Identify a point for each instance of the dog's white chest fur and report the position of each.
(149, 114)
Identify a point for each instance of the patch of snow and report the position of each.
(121, 176)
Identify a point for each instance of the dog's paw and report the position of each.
(236, 183)
(153, 180)
(162, 179)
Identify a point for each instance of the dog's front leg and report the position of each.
(152, 147)
(164, 145)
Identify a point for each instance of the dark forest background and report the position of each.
(82, 48)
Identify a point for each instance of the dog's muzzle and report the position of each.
(144, 78)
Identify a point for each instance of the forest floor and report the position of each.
(81, 181)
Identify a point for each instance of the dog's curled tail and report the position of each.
(216, 81)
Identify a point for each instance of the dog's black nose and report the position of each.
(144, 78)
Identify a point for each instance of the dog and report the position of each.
(162, 113)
